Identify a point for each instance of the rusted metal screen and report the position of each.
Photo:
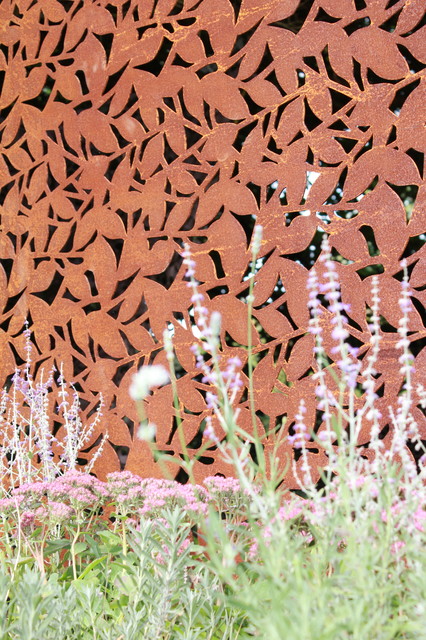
(129, 128)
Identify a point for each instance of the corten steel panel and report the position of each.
(129, 128)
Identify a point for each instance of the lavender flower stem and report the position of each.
(257, 239)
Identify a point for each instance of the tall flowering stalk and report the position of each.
(350, 401)
(27, 441)
(77, 435)
(404, 424)
(255, 249)
(168, 347)
(341, 418)
(226, 383)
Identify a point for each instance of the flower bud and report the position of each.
(257, 239)
(146, 379)
(215, 323)
(147, 432)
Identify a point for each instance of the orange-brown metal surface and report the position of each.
(129, 128)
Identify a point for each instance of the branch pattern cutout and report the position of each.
(129, 128)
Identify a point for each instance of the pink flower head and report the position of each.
(27, 519)
(419, 518)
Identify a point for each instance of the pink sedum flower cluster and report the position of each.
(76, 495)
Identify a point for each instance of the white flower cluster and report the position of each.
(146, 379)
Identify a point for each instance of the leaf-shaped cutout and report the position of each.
(416, 43)
(264, 375)
(301, 358)
(366, 42)
(182, 341)
(152, 156)
(294, 277)
(104, 332)
(318, 95)
(88, 15)
(190, 397)
(344, 9)
(418, 275)
(224, 236)
(265, 282)
(94, 126)
(299, 234)
(410, 16)
(222, 92)
(290, 122)
(233, 312)
(232, 194)
(219, 142)
(99, 258)
(274, 323)
(264, 93)
(190, 48)
(392, 165)
(323, 186)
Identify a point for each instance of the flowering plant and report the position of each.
(235, 557)
(29, 450)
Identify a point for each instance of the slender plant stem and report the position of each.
(74, 541)
(178, 415)
(124, 539)
(260, 456)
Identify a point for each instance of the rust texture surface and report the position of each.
(129, 128)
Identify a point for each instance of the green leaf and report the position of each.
(79, 547)
(108, 537)
(91, 566)
(28, 560)
(86, 587)
(67, 575)
(93, 544)
(56, 545)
